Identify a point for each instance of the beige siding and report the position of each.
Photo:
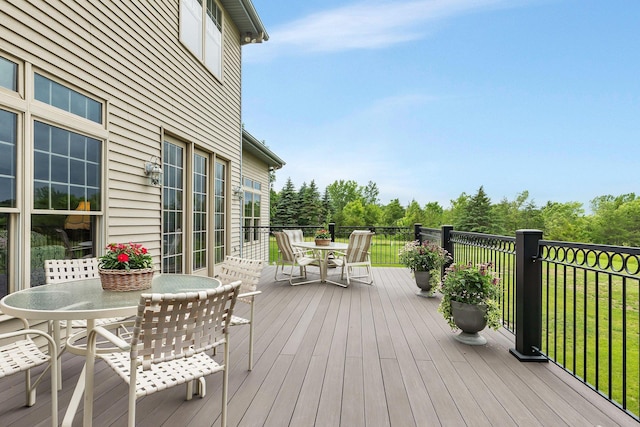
(129, 55)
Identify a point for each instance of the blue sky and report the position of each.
(433, 98)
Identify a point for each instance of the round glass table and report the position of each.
(86, 300)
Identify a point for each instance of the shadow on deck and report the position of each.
(361, 356)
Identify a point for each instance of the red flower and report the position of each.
(123, 258)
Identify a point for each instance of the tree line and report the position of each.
(614, 220)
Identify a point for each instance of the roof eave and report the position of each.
(258, 149)
(246, 18)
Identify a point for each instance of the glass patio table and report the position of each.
(86, 300)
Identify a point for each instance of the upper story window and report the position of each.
(8, 74)
(66, 99)
(201, 32)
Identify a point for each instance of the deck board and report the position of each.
(360, 356)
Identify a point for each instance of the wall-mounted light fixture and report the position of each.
(250, 37)
(153, 170)
(238, 191)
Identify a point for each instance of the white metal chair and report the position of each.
(248, 271)
(357, 255)
(169, 346)
(20, 353)
(67, 270)
(288, 256)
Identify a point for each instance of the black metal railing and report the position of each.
(590, 316)
(576, 305)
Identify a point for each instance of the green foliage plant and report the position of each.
(423, 257)
(126, 256)
(323, 234)
(471, 284)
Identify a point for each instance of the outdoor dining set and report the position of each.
(176, 332)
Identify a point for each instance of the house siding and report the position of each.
(129, 55)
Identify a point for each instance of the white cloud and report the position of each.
(364, 25)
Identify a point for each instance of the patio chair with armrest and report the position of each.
(68, 270)
(19, 353)
(288, 256)
(169, 346)
(357, 255)
(248, 271)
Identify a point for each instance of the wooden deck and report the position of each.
(361, 356)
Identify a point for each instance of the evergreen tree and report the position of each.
(310, 205)
(477, 215)
(287, 206)
(326, 209)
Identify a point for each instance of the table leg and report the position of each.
(324, 271)
(75, 399)
(58, 340)
(78, 391)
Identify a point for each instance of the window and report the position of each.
(66, 168)
(8, 74)
(220, 210)
(66, 99)
(201, 32)
(252, 198)
(8, 138)
(4, 254)
(200, 208)
(172, 209)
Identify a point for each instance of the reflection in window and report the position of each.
(66, 169)
(8, 128)
(8, 74)
(200, 207)
(4, 254)
(252, 198)
(59, 237)
(219, 211)
(66, 99)
(172, 210)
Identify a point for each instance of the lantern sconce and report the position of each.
(153, 170)
(238, 191)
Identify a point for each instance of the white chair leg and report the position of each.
(201, 387)
(189, 394)
(225, 384)
(29, 389)
(251, 339)
(132, 403)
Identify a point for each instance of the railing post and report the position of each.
(528, 297)
(332, 230)
(416, 232)
(446, 244)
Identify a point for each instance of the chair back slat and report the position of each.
(65, 270)
(284, 245)
(295, 235)
(171, 326)
(246, 270)
(359, 243)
